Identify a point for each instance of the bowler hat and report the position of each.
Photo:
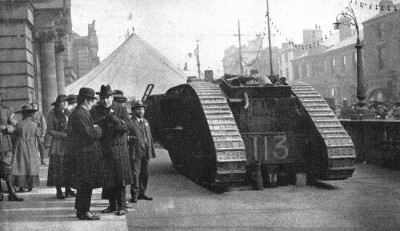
(60, 98)
(119, 96)
(87, 92)
(138, 104)
(71, 99)
(105, 91)
(26, 109)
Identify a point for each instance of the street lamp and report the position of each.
(360, 73)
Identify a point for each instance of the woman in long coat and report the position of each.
(56, 128)
(25, 161)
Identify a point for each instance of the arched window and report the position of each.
(382, 52)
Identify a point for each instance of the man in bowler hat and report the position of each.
(113, 118)
(83, 162)
(141, 149)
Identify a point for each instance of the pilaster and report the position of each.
(48, 68)
(17, 78)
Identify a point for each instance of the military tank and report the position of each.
(232, 131)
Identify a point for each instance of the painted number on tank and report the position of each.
(281, 150)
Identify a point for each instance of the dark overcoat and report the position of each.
(56, 128)
(83, 162)
(113, 121)
(138, 133)
(57, 125)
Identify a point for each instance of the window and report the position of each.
(380, 30)
(354, 61)
(333, 65)
(305, 71)
(381, 57)
(286, 57)
(344, 63)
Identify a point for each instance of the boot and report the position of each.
(69, 192)
(60, 194)
(12, 195)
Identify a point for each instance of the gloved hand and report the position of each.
(114, 119)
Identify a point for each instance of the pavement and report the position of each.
(370, 200)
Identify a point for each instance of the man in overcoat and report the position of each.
(141, 149)
(83, 158)
(113, 118)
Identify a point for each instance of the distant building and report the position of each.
(253, 58)
(289, 53)
(329, 67)
(332, 68)
(36, 51)
(84, 53)
(382, 54)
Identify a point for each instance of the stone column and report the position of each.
(48, 66)
(59, 48)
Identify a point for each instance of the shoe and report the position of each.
(144, 197)
(120, 212)
(108, 210)
(134, 200)
(60, 196)
(13, 197)
(70, 193)
(81, 214)
(1, 196)
(89, 216)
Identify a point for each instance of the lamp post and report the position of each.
(360, 73)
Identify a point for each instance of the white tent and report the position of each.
(130, 68)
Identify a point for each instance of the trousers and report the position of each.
(82, 200)
(117, 197)
(140, 175)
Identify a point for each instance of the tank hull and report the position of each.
(229, 134)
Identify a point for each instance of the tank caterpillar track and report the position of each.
(230, 153)
(340, 150)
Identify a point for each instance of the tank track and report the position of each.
(229, 147)
(340, 148)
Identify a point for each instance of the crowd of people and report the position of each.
(95, 143)
(377, 109)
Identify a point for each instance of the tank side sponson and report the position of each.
(229, 147)
(340, 149)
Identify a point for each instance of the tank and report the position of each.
(238, 131)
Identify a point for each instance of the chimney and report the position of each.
(208, 75)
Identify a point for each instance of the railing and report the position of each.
(376, 141)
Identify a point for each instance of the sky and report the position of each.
(174, 27)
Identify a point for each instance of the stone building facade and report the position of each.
(330, 67)
(35, 51)
(332, 70)
(382, 55)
